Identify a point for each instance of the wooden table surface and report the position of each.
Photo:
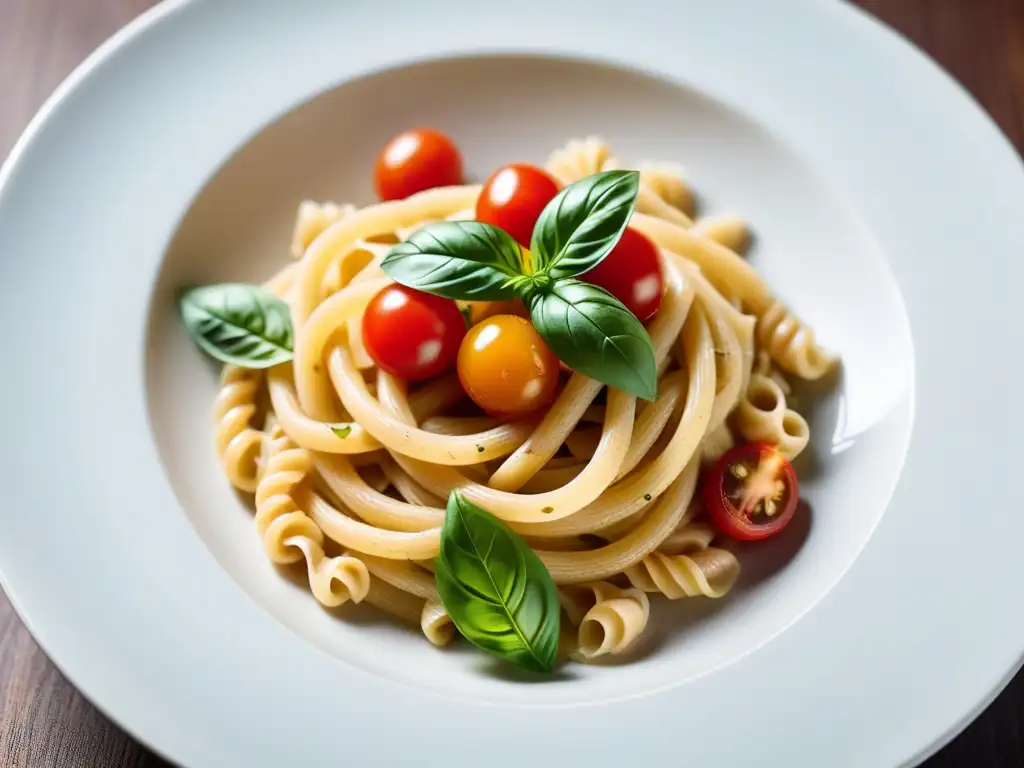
(45, 722)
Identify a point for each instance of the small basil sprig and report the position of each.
(582, 223)
(243, 325)
(495, 589)
(586, 327)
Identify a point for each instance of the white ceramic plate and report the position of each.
(888, 211)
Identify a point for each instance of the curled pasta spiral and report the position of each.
(667, 181)
(791, 343)
(762, 416)
(711, 572)
(687, 538)
(238, 444)
(583, 157)
(579, 158)
(289, 535)
(312, 219)
(610, 619)
(763, 365)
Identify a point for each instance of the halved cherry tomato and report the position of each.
(513, 198)
(411, 334)
(506, 368)
(414, 161)
(752, 492)
(632, 274)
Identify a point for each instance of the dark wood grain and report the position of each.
(45, 722)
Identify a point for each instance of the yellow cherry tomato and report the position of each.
(506, 368)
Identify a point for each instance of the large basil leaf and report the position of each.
(459, 260)
(244, 325)
(592, 332)
(583, 222)
(495, 588)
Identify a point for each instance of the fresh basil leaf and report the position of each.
(244, 325)
(592, 332)
(458, 260)
(495, 588)
(342, 432)
(582, 223)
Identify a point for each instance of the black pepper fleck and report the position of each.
(647, 497)
(479, 449)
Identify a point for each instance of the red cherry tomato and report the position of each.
(414, 161)
(411, 334)
(513, 198)
(752, 492)
(631, 273)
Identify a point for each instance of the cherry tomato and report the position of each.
(631, 273)
(414, 161)
(752, 492)
(478, 311)
(506, 368)
(513, 198)
(411, 334)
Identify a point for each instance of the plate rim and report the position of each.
(152, 17)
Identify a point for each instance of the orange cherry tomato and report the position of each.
(513, 197)
(414, 161)
(506, 368)
(411, 334)
(632, 274)
(752, 492)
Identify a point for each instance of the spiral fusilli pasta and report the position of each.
(289, 535)
(312, 219)
(710, 572)
(610, 619)
(238, 444)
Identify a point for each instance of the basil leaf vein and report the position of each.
(243, 325)
(496, 590)
(592, 332)
(458, 260)
(582, 223)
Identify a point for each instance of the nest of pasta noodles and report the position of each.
(351, 467)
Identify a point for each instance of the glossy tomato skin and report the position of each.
(631, 273)
(762, 470)
(506, 368)
(513, 197)
(411, 334)
(414, 161)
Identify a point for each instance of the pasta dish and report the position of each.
(522, 413)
